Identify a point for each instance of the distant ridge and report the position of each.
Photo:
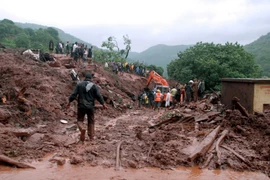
(159, 55)
(62, 35)
(260, 48)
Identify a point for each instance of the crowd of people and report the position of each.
(120, 67)
(192, 91)
(76, 50)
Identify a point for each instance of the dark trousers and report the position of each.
(140, 102)
(188, 97)
(195, 96)
(90, 117)
(173, 101)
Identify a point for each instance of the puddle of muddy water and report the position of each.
(48, 171)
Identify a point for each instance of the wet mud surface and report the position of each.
(45, 170)
(30, 128)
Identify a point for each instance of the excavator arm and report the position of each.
(157, 78)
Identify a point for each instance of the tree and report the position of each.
(127, 42)
(12, 36)
(29, 31)
(116, 53)
(158, 69)
(22, 41)
(53, 32)
(212, 62)
(8, 29)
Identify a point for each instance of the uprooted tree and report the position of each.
(211, 62)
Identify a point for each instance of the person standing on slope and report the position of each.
(158, 97)
(87, 92)
(168, 99)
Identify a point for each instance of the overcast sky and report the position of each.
(148, 22)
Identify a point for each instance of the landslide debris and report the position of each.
(34, 93)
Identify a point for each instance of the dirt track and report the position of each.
(30, 124)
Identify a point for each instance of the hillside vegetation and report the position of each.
(33, 36)
(159, 55)
(62, 35)
(261, 51)
(13, 36)
(210, 62)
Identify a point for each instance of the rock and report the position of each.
(54, 63)
(201, 106)
(187, 110)
(69, 66)
(76, 160)
(4, 114)
(132, 164)
(69, 142)
(72, 127)
(59, 161)
(35, 138)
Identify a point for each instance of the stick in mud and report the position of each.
(8, 160)
(204, 145)
(118, 155)
(151, 147)
(236, 154)
(219, 141)
(207, 161)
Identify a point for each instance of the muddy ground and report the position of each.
(34, 95)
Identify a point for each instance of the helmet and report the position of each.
(191, 81)
(158, 90)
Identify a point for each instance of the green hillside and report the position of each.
(13, 36)
(261, 51)
(159, 55)
(62, 35)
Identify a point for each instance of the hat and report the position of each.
(158, 90)
(191, 81)
(88, 75)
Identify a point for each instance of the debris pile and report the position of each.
(32, 111)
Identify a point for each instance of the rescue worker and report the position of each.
(51, 46)
(90, 54)
(151, 97)
(140, 98)
(67, 48)
(158, 97)
(75, 52)
(87, 92)
(173, 93)
(168, 99)
(183, 94)
(195, 90)
(188, 91)
(106, 65)
(201, 89)
(146, 100)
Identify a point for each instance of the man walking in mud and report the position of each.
(87, 92)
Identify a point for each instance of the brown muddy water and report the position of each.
(46, 170)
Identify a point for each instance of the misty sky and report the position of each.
(148, 22)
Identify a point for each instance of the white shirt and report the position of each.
(74, 47)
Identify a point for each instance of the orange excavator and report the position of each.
(160, 82)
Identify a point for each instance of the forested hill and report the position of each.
(261, 50)
(62, 35)
(159, 55)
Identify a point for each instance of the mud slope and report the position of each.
(35, 94)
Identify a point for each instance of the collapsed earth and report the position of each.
(35, 122)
